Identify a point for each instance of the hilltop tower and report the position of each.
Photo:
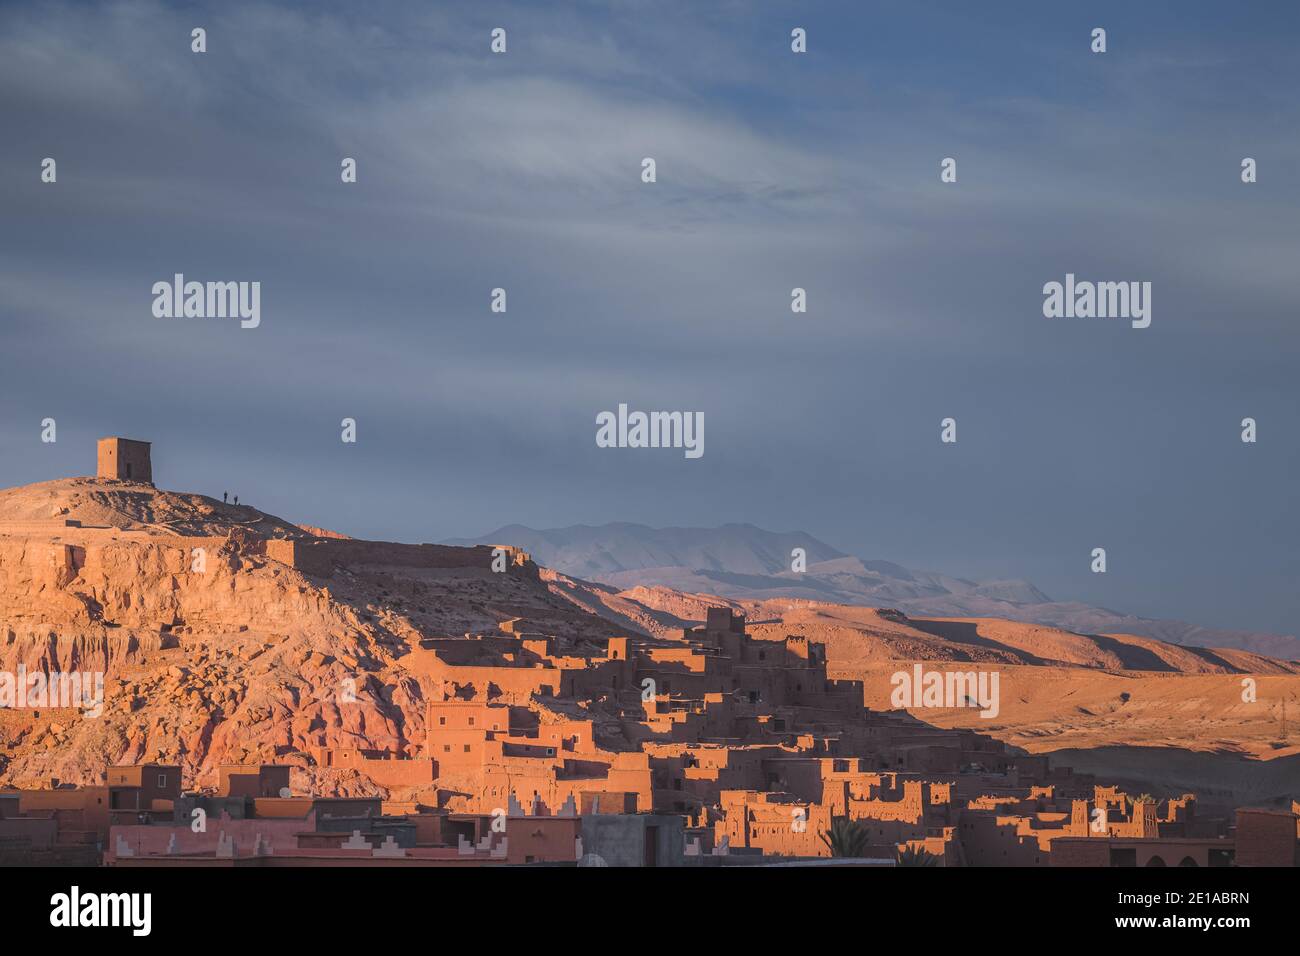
(125, 458)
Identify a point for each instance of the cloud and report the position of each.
(775, 171)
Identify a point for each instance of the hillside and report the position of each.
(246, 660)
(251, 659)
(106, 503)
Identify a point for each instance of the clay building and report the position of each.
(124, 459)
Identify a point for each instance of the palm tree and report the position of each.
(913, 857)
(846, 837)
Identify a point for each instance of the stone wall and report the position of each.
(320, 556)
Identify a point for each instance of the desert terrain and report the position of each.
(244, 662)
(1146, 714)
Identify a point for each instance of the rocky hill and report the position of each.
(242, 659)
(214, 650)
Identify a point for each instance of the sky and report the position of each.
(775, 170)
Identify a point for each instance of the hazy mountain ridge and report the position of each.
(744, 562)
(594, 552)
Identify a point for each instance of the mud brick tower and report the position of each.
(125, 458)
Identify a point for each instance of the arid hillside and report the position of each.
(105, 503)
(220, 643)
(215, 653)
(859, 635)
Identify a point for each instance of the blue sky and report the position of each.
(775, 171)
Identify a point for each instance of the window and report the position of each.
(446, 748)
(442, 721)
(550, 751)
(467, 748)
(471, 721)
(162, 777)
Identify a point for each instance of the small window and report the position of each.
(446, 748)
(442, 721)
(471, 721)
(467, 748)
(550, 751)
(162, 777)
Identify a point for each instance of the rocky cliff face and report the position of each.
(242, 661)
(211, 653)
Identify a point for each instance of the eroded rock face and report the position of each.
(225, 658)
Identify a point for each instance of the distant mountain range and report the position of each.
(743, 562)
